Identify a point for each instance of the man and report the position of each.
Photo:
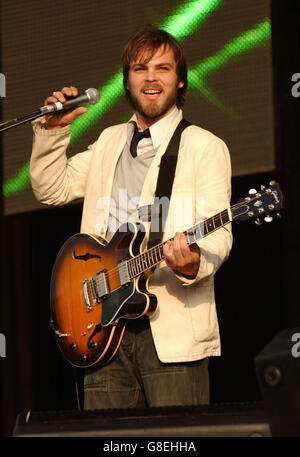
(163, 362)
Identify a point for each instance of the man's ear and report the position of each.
(125, 83)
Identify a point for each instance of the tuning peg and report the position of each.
(258, 222)
(271, 183)
(268, 218)
(262, 187)
(252, 191)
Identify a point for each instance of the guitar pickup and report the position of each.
(93, 290)
(123, 273)
(102, 285)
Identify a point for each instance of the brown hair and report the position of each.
(151, 39)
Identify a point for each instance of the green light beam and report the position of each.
(18, 182)
(247, 41)
(188, 16)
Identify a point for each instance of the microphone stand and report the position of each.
(20, 120)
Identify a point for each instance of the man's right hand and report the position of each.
(60, 119)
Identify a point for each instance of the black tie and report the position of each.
(137, 136)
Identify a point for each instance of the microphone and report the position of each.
(90, 96)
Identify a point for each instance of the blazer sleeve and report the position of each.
(213, 193)
(55, 179)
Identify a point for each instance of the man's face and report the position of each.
(153, 85)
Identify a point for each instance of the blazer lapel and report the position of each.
(110, 160)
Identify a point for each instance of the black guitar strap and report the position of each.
(164, 186)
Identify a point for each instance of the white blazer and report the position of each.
(185, 326)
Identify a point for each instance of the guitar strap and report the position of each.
(160, 209)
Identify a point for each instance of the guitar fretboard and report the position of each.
(153, 256)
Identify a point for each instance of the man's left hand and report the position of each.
(181, 257)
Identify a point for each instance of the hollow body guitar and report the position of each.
(96, 287)
(93, 294)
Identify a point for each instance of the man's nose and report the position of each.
(151, 75)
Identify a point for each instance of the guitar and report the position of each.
(96, 287)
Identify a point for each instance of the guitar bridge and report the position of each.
(85, 288)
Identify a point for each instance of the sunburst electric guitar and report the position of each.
(96, 287)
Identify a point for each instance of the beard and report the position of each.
(152, 109)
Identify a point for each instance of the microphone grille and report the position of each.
(93, 95)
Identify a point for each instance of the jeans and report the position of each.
(136, 378)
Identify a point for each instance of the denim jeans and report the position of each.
(136, 378)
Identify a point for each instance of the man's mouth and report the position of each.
(152, 94)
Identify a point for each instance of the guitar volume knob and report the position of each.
(73, 347)
(93, 345)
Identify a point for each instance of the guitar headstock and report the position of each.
(259, 205)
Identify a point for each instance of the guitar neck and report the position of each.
(153, 256)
